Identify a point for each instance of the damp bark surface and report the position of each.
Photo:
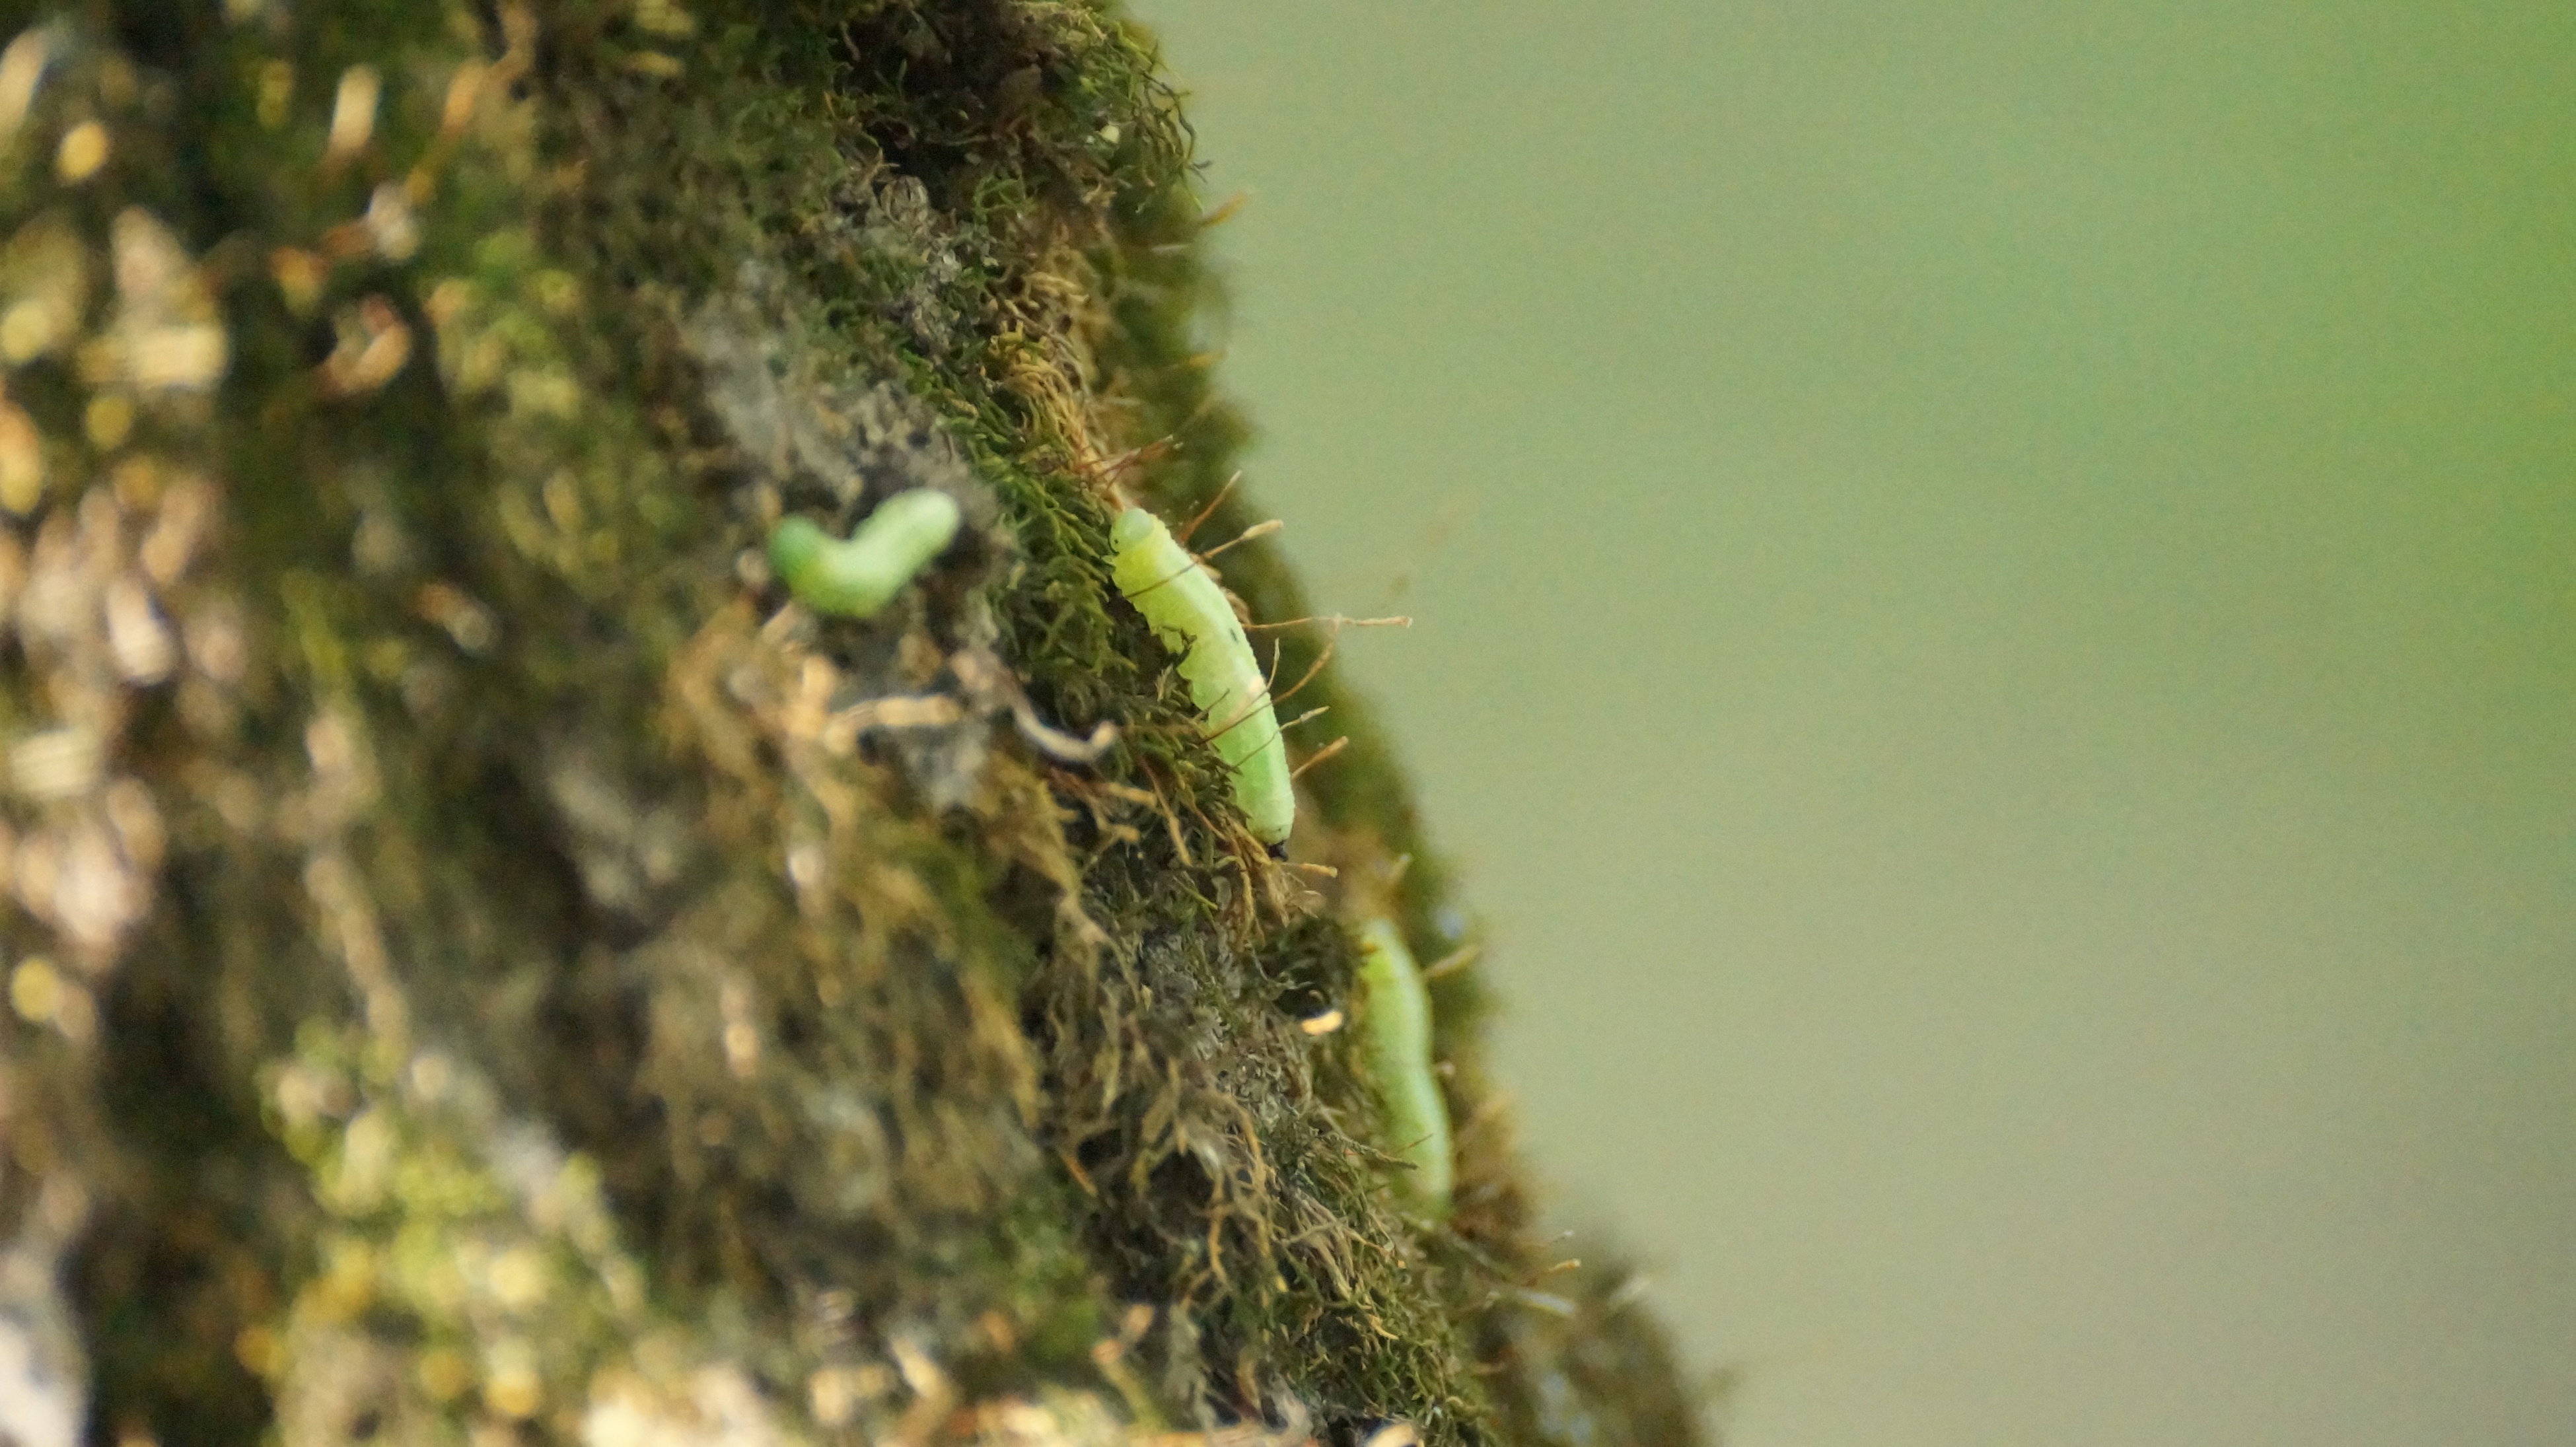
(485, 964)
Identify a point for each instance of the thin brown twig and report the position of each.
(1452, 962)
(1224, 211)
(1257, 530)
(1332, 641)
(1319, 756)
(1212, 505)
(1338, 620)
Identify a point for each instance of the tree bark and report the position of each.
(485, 964)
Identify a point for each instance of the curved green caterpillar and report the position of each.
(1396, 1019)
(854, 579)
(1188, 611)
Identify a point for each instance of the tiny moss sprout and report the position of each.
(1189, 612)
(1396, 1021)
(854, 579)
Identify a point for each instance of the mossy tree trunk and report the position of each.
(484, 965)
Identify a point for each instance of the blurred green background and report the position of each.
(1997, 594)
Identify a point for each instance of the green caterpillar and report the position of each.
(1396, 1015)
(1189, 612)
(854, 579)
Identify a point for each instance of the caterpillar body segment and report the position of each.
(1396, 1019)
(1189, 612)
(856, 577)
